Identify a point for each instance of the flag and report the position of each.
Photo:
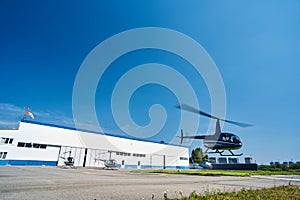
(30, 114)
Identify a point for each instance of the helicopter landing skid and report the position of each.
(221, 153)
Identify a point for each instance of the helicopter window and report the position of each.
(236, 139)
(226, 138)
(70, 159)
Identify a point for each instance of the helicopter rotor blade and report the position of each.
(244, 125)
(194, 110)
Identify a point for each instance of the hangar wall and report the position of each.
(35, 143)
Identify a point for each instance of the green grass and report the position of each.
(282, 192)
(219, 172)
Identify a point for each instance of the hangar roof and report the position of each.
(95, 132)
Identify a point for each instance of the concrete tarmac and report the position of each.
(84, 183)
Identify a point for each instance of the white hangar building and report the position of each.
(35, 143)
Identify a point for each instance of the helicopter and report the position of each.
(108, 163)
(220, 141)
(68, 161)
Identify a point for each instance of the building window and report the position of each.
(6, 140)
(139, 163)
(30, 145)
(123, 154)
(139, 155)
(3, 155)
(123, 162)
(183, 158)
(21, 144)
(34, 145)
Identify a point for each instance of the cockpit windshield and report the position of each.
(236, 139)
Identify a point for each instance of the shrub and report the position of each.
(294, 166)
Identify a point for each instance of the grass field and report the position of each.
(282, 192)
(219, 172)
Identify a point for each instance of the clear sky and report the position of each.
(255, 45)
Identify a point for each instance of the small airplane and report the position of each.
(220, 141)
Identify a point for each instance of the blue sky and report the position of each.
(254, 45)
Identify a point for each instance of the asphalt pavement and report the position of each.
(87, 183)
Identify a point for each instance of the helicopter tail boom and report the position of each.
(202, 137)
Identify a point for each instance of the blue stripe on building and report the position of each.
(28, 162)
(54, 163)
